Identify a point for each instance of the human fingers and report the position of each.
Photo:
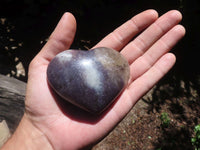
(143, 84)
(146, 39)
(123, 34)
(162, 46)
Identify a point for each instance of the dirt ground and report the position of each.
(143, 128)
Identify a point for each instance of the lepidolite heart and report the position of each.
(91, 79)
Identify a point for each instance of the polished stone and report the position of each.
(91, 79)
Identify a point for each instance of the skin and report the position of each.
(49, 123)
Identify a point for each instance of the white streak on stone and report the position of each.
(64, 56)
(91, 75)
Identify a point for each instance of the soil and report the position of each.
(143, 128)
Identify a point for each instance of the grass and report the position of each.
(165, 120)
(196, 139)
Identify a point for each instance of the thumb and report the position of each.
(61, 38)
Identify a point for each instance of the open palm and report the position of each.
(67, 127)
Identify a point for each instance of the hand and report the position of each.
(57, 125)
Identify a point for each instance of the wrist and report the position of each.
(27, 137)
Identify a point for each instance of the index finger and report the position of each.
(123, 34)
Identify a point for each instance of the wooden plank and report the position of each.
(4, 133)
(12, 96)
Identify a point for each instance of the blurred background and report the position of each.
(25, 26)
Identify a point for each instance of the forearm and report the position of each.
(27, 137)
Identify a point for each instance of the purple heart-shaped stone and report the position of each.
(90, 79)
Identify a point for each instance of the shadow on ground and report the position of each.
(180, 100)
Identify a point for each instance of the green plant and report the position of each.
(165, 120)
(196, 139)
